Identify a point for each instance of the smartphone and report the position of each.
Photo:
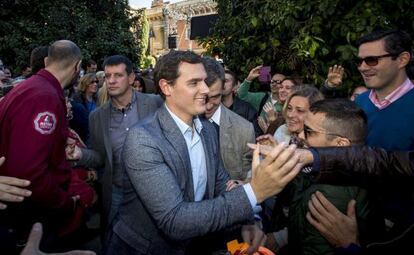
(264, 76)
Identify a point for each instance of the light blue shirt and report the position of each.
(198, 160)
(196, 153)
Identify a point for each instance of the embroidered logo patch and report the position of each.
(45, 123)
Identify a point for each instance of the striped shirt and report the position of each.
(394, 96)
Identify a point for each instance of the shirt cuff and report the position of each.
(250, 194)
(316, 166)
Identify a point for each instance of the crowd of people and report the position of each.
(183, 158)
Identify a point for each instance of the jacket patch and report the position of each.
(45, 123)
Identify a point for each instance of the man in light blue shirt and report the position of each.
(175, 182)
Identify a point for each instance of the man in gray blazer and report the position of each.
(109, 125)
(234, 131)
(174, 186)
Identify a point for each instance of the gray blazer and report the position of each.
(158, 214)
(235, 133)
(101, 154)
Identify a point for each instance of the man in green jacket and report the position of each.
(330, 123)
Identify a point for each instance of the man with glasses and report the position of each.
(330, 123)
(258, 99)
(382, 60)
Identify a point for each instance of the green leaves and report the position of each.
(100, 28)
(302, 36)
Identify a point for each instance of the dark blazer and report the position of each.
(101, 154)
(158, 214)
(248, 112)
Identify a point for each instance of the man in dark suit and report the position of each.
(234, 103)
(174, 186)
(108, 127)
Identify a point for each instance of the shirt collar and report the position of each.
(216, 116)
(128, 106)
(52, 79)
(182, 125)
(393, 96)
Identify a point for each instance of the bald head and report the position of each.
(63, 53)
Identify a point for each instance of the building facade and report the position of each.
(170, 24)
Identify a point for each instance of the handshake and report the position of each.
(275, 165)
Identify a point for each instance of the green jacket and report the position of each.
(304, 238)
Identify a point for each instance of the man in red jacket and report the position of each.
(33, 134)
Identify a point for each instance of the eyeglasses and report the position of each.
(276, 82)
(373, 60)
(94, 81)
(307, 130)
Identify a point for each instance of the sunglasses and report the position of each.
(307, 130)
(276, 81)
(373, 60)
(95, 81)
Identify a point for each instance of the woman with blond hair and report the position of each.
(84, 102)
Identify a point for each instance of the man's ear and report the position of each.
(165, 87)
(131, 78)
(404, 59)
(342, 141)
(45, 60)
(78, 65)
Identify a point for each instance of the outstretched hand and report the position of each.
(274, 172)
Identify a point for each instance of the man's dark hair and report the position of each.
(215, 71)
(64, 52)
(37, 58)
(117, 60)
(227, 71)
(396, 41)
(91, 62)
(344, 118)
(168, 65)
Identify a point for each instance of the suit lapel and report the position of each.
(141, 105)
(225, 130)
(209, 155)
(177, 141)
(105, 118)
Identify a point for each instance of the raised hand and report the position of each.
(263, 124)
(335, 75)
(254, 73)
(271, 114)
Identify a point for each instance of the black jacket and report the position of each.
(387, 172)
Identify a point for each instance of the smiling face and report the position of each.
(316, 134)
(187, 96)
(383, 74)
(296, 111)
(275, 82)
(214, 98)
(284, 89)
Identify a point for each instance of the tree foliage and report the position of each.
(100, 28)
(300, 35)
